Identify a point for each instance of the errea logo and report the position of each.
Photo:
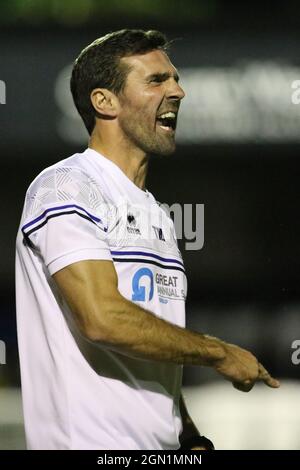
(131, 219)
(131, 224)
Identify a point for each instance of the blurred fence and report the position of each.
(262, 419)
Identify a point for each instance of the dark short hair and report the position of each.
(99, 66)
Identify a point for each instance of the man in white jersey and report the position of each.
(100, 281)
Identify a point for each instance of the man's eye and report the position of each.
(157, 80)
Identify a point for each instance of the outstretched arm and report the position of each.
(103, 315)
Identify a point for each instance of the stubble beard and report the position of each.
(148, 139)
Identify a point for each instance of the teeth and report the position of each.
(168, 115)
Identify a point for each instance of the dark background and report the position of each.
(244, 283)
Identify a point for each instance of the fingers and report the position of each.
(264, 375)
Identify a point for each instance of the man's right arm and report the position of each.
(104, 316)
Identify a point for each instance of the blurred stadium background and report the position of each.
(238, 153)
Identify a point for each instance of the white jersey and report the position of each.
(77, 394)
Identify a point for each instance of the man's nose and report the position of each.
(175, 91)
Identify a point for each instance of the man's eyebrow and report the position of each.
(162, 76)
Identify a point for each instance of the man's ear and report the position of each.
(105, 102)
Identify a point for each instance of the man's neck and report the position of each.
(133, 162)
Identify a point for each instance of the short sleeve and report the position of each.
(66, 218)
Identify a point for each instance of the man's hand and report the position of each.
(243, 369)
(197, 442)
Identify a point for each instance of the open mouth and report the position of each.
(167, 121)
